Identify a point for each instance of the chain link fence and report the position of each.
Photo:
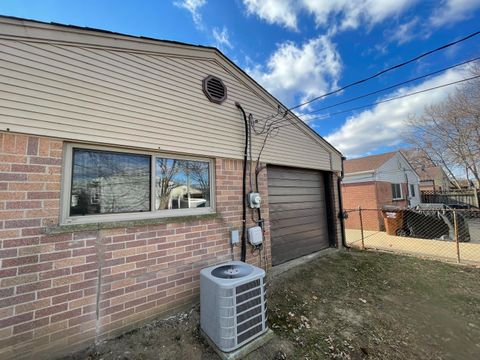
(434, 231)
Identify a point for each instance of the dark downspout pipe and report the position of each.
(340, 200)
(244, 188)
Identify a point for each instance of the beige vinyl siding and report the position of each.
(141, 100)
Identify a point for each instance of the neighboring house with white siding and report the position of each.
(121, 176)
(373, 182)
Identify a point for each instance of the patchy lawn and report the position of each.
(352, 305)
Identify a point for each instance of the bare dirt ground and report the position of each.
(355, 305)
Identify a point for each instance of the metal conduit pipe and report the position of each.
(243, 255)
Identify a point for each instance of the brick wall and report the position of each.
(60, 292)
(384, 194)
(364, 195)
(371, 196)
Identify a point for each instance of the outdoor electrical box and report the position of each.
(254, 200)
(234, 239)
(255, 235)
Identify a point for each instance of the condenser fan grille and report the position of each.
(247, 335)
(250, 312)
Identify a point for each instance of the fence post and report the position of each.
(455, 231)
(361, 226)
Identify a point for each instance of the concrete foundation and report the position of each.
(244, 350)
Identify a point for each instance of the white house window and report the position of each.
(412, 190)
(397, 192)
(109, 185)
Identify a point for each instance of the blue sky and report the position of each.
(304, 48)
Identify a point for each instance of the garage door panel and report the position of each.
(291, 191)
(294, 175)
(299, 237)
(298, 230)
(298, 217)
(275, 199)
(295, 183)
(293, 214)
(278, 224)
(281, 207)
(299, 247)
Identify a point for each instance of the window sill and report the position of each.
(66, 228)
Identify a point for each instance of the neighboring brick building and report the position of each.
(120, 180)
(375, 181)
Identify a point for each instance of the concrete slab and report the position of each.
(245, 349)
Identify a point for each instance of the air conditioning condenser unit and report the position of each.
(232, 304)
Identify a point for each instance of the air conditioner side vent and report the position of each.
(247, 286)
(250, 333)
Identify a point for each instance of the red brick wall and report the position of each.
(371, 196)
(364, 195)
(384, 194)
(53, 286)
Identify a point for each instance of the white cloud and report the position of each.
(345, 14)
(452, 11)
(307, 71)
(193, 7)
(383, 124)
(221, 38)
(405, 32)
(351, 14)
(282, 12)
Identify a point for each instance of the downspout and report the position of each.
(340, 200)
(244, 187)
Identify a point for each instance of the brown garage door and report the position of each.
(298, 213)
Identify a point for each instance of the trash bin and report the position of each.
(393, 220)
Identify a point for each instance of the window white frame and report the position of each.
(401, 191)
(412, 191)
(67, 169)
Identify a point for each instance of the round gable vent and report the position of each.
(214, 89)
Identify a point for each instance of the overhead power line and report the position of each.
(387, 100)
(418, 57)
(391, 86)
